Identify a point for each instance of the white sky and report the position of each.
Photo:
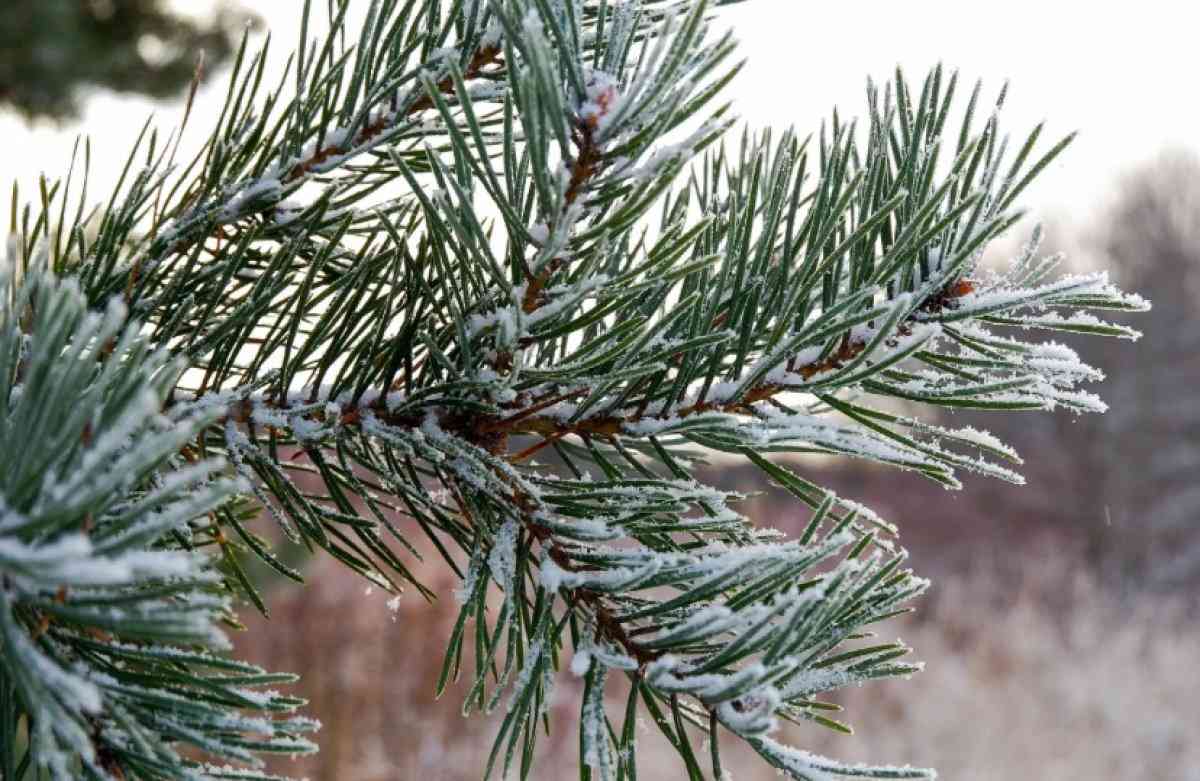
(1122, 73)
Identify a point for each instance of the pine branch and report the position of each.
(109, 613)
(435, 260)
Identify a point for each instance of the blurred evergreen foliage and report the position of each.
(52, 51)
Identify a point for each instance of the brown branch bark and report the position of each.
(481, 59)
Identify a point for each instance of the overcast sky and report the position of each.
(1124, 74)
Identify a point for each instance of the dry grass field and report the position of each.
(1034, 672)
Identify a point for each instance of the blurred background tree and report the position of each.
(53, 51)
(1152, 239)
(1136, 504)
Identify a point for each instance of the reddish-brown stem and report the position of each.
(482, 58)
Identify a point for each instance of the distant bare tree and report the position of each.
(1153, 241)
(1128, 479)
